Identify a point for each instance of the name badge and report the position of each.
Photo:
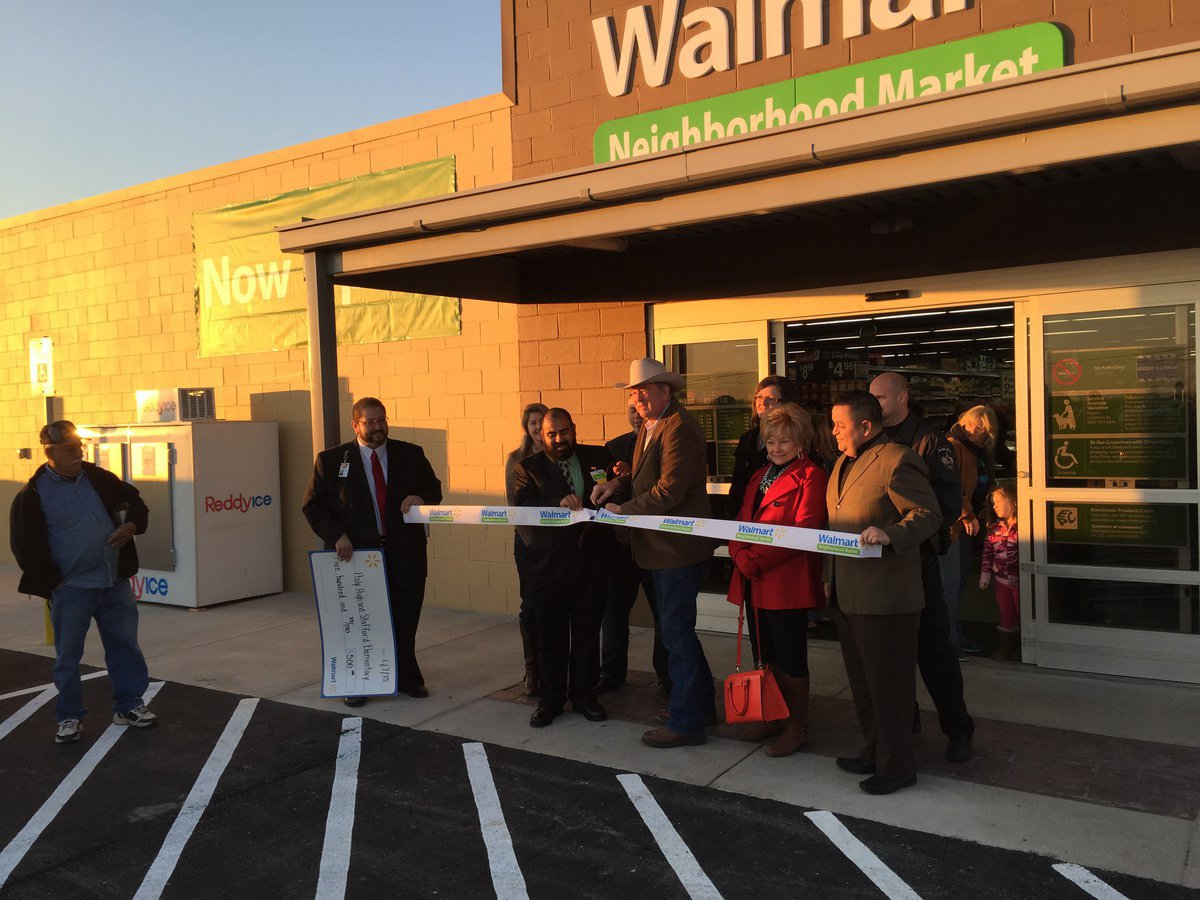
(598, 476)
(344, 470)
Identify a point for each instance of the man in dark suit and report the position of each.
(357, 499)
(937, 659)
(880, 491)
(621, 586)
(565, 568)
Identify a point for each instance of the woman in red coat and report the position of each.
(781, 584)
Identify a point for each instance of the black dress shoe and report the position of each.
(878, 784)
(418, 691)
(354, 702)
(590, 710)
(607, 683)
(856, 765)
(543, 716)
(959, 748)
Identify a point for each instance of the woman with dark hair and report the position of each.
(531, 442)
(777, 585)
(751, 452)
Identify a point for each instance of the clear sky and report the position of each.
(96, 96)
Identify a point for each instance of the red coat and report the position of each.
(782, 578)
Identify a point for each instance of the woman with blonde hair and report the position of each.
(531, 442)
(973, 438)
(778, 585)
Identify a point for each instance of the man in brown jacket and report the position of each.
(879, 490)
(669, 479)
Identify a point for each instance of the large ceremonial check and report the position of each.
(817, 540)
(358, 647)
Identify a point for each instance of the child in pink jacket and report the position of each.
(1001, 566)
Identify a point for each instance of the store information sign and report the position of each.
(1140, 524)
(1118, 413)
(358, 647)
(976, 61)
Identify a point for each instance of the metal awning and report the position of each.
(705, 220)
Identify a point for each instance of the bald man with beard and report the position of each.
(937, 659)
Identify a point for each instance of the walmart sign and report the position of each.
(986, 59)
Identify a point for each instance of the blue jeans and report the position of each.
(954, 564)
(115, 611)
(692, 693)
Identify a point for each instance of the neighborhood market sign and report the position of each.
(976, 61)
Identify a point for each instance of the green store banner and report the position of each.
(250, 297)
(980, 60)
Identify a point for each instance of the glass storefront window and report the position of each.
(1138, 535)
(1123, 604)
(1121, 399)
(719, 380)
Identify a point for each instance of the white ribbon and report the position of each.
(815, 540)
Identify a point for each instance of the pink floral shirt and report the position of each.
(1000, 556)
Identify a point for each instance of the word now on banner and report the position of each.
(816, 540)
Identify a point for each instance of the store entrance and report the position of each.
(953, 358)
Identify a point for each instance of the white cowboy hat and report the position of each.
(650, 371)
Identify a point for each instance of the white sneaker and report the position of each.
(69, 731)
(137, 718)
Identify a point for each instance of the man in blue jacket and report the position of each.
(71, 529)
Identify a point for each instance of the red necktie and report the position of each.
(380, 492)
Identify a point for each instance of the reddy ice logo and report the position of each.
(148, 586)
(239, 503)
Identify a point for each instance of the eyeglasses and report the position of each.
(374, 423)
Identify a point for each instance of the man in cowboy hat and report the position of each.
(668, 479)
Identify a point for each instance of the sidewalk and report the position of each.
(1099, 771)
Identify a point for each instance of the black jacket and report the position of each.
(31, 544)
(563, 554)
(335, 506)
(748, 458)
(942, 463)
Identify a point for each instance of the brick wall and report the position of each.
(562, 97)
(571, 356)
(110, 280)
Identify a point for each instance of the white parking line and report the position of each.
(507, 879)
(1088, 882)
(196, 802)
(339, 824)
(41, 687)
(12, 855)
(26, 711)
(858, 853)
(691, 876)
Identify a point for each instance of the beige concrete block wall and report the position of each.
(562, 97)
(110, 280)
(571, 356)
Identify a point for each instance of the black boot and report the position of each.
(529, 643)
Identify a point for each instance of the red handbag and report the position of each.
(752, 696)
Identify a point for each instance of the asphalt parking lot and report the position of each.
(242, 797)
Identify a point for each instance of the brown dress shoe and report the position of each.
(664, 738)
(760, 731)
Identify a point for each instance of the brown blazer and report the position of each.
(889, 488)
(670, 479)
